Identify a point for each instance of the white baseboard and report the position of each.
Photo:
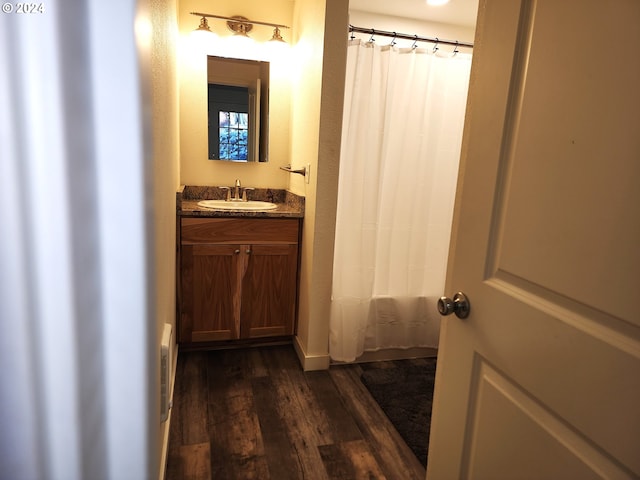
(310, 362)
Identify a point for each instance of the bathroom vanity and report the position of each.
(237, 270)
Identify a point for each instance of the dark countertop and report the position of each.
(187, 198)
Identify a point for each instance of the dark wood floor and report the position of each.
(254, 414)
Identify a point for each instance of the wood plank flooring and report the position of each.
(254, 414)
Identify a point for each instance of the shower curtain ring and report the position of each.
(455, 50)
(435, 47)
(415, 42)
(393, 40)
(371, 39)
(351, 30)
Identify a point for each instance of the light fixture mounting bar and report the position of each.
(235, 19)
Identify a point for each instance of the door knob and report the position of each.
(459, 305)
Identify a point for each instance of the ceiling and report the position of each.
(457, 12)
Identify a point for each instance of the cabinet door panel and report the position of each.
(210, 309)
(269, 291)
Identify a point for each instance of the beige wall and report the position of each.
(195, 168)
(165, 167)
(316, 119)
(305, 116)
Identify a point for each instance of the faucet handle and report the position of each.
(228, 196)
(244, 193)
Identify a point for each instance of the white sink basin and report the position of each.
(251, 205)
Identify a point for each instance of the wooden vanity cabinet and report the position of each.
(237, 278)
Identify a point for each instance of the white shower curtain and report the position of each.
(402, 132)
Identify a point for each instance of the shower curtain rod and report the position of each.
(405, 36)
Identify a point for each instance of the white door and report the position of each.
(542, 380)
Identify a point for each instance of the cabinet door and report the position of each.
(210, 284)
(269, 291)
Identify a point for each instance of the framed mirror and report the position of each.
(238, 109)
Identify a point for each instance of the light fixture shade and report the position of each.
(277, 37)
(202, 37)
(241, 45)
(276, 48)
(203, 27)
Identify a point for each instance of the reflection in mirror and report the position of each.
(238, 106)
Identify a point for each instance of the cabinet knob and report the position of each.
(248, 251)
(237, 251)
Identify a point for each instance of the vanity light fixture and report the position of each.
(241, 26)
